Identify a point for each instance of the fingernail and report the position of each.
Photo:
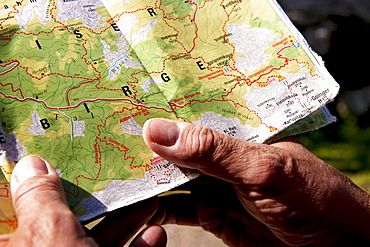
(30, 166)
(163, 132)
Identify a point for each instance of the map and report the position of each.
(79, 78)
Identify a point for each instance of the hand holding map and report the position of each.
(45, 218)
(256, 194)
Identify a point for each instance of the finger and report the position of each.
(35, 184)
(118, 227)
(4, 239)
(152, 236)
(214, 206)
(202, 202)
(40, 205)
(211, 152)
(176, 209)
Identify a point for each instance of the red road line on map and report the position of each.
(196, 8)
(4, 170)
(86, 61)
(59, 74)
(108, 141)
(183, 46)
(54, 7)
(83, 57)
(195, 38)
(79, 85)
(97, 161)
(62, 75)
(141, 71)
(225, 32)
(133, 83)
(118, 16)
(7, 193)
(13, 90)
(236, 84)
(98, 155)
(10, 84)
(11, 69)
(11, 12)
(195, 24)
(121, 148)
(11, 223)
(84, 101)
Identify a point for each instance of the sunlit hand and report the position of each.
(300, 199)
(44, 219)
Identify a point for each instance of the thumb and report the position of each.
(208, 151)
(35, 185)
(40, 205)
(37, 192)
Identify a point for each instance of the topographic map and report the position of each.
(79, 78)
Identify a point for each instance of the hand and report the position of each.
(298, 197)
(214, 205)
(44, 219)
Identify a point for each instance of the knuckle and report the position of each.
(37, 190)
(62, 218)
(267, 168)
(199, 143)
(52, 226)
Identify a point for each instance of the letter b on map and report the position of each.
(45, 123)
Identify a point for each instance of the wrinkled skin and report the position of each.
(286, 195)
(214, 205)
(44, 219)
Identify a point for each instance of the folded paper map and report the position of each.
(79, 78)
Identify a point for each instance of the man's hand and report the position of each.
(299, 198)
(44, 219)
(214, 205)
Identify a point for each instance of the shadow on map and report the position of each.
(88, 208)
(83, 204)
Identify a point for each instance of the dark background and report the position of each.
(340, 32)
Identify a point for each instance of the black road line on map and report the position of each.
(87, 108)
(38, 44)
